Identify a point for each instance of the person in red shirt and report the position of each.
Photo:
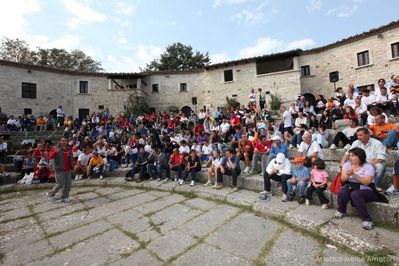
(63, 158)
(261, 152)
(245, 152)
(176, 163)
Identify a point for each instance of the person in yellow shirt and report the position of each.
(96, 165)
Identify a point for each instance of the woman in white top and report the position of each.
(213, 163)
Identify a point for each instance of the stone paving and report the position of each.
(107, 225)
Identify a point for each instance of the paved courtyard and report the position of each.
(119, 226)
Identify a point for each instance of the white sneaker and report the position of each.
(391, 191)
(269, 193)
(347, 147)
(333, 147)
(80, 177)
(250, 172)
(181, 182)
(77, 177)
(368, 225)
(101, 177)
(50, 197)
(208, 183)
(307, 202)
(291, 146)
(339, 215)
(246, 170)
(284, 198)
(192, 183)
(324, 206)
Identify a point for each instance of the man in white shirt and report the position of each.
(347, 136)
(310, 150)
(287, 120)
(82, 162)
(279, 169)
(350, 100)
(60, 116)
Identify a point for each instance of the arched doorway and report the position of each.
(53, 114)
(310, 97)
(186, 110)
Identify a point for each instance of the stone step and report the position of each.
(9, 178)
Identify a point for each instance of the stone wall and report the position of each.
(344, 60)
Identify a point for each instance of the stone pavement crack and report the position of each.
(268, 247)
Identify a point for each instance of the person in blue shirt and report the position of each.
(278, 146)
(300, 178)
(230, 165)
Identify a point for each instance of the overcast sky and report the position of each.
(126, 34)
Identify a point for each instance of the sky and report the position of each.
(125, 35)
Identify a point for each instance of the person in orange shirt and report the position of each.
(40, 123)
(387, 133)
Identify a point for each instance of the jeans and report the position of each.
(359, 198)
(100, 170)
(178, 169)
(64, 181)
(139, 169)
(193, 173)
(297, 138)
(233, 172)
(283, 179)
(157, 169)
(390, 139)
(319, 192)
(263, 158)
(379, 173)
(302, 185)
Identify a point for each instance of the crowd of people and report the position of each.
(174, 146)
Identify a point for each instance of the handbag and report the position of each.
(336, 184)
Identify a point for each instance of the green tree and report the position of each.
(275, 101)
(19, 51)
(179, 57)
(136, 105)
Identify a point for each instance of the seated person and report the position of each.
(160, 165)
(278, 146)
(28, 165)
(213, 164)
(140, 167)
(245, 152)
(261, 151)
(176, 163)
(230, 165)
(279, 169)
(387, 133)
(318, 183)
(82, 163)
(96, 165)
(375, 151)
(193, 166)
(321, 136)
(357, 186)
(300, 178)
(393, 190)
(347, 136)
(206, 152)
(309, 149)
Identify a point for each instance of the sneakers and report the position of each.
(250, 172)
(284, 198)
(307, 202)
(208, 183)
(269, 193)
(291, 146)
(77, 177)
(290, 197)
(391, 191)
(301, 200)
(333, 147)
(50, 197)
(219, 186)
(180, 182)
(368, 225)
(246, 170)
(101, 177)
(66, 200)
(347, 147)
(339, 215)
(235, 189)
(192, 183)
(324, 206)
(378, 189)
(158, 179)
(166, 180)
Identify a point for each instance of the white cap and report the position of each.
(276, 137)
(280, 158)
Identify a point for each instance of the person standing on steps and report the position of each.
(63, 159)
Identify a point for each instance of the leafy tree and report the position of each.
(136, 105)
(179, 57)
(19, 51)
(275, 101)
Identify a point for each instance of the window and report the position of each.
(101, 107)
(27, 111)
(228, 75)
(28, 90)
(395, 50)
(264, 66)
(83, 87)
(364, 87)
(363, 58)
(155, 88)
(183, 87)
(305, 71)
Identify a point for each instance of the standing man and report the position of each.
(60, 117)
(63, 158)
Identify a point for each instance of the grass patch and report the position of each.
(131, 235)
(267, 247)
(155, 227)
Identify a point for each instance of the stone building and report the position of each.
(361, 59)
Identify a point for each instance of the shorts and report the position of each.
(289, 130)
